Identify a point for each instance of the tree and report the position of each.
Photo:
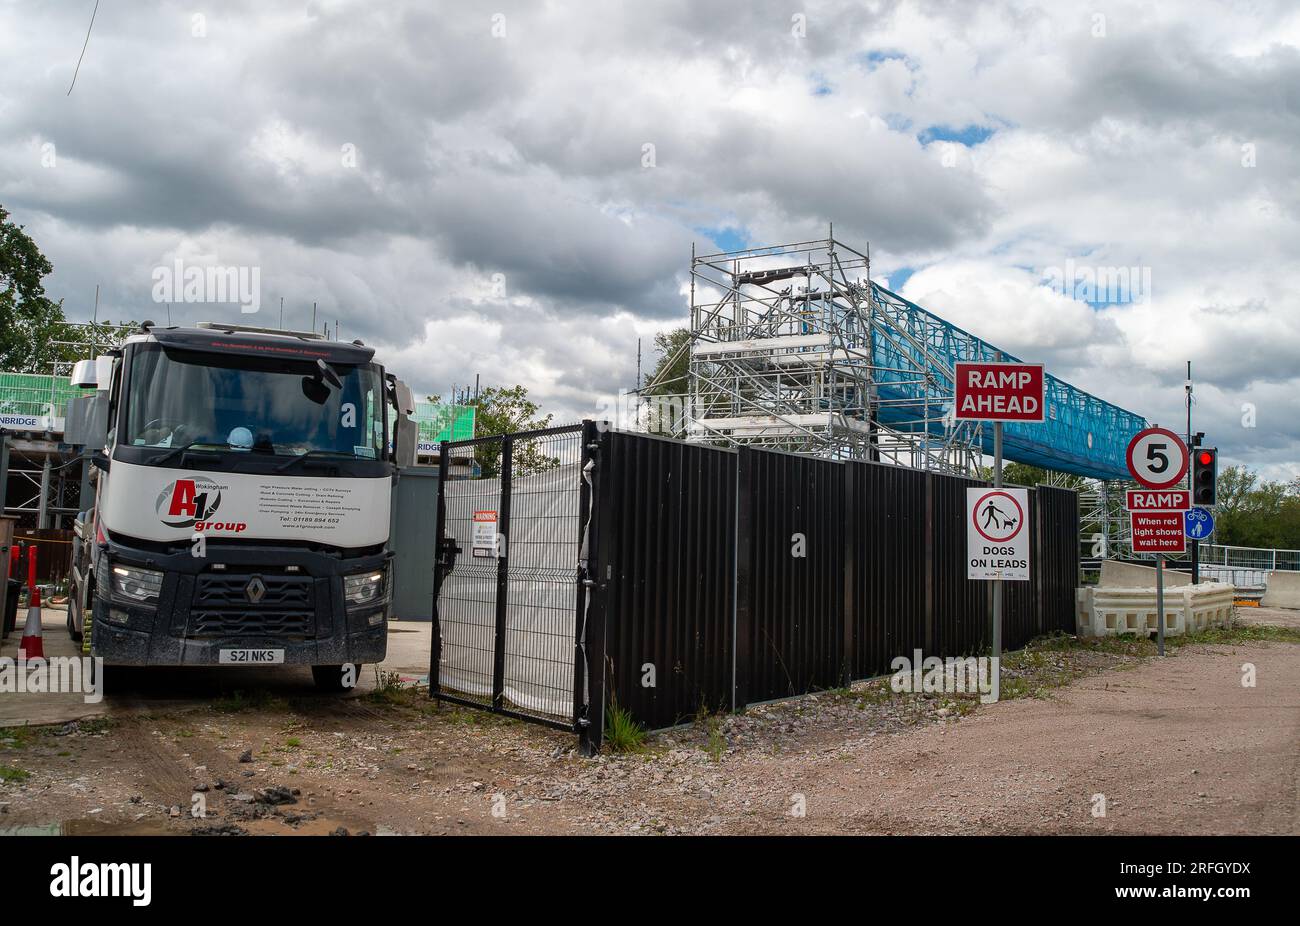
(1023, 474)
(669, 380)
(507, 410)
(672, 371)
(1252, 513)
(30, 322)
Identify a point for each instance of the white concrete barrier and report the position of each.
(1282, 590)
(1131, 575)
(1190, 609)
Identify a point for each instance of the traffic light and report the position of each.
(1205, 473)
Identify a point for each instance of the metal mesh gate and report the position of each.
(509, 590)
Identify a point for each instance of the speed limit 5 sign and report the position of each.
(1157, 458)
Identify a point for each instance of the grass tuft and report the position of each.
(10, 774)
(622, 732)
(388, 688)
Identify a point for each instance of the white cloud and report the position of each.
(523, 156)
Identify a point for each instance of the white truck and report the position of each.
(242, 501)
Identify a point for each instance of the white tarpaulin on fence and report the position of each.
(542, 548)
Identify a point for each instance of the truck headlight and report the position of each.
(135, 584)
(365, 588)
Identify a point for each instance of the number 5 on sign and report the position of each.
(1157, 458)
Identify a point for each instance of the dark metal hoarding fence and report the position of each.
(1056, 556)
(886, 529)
(790, 617)
(692, 577)
(819, 573)
(665, 519)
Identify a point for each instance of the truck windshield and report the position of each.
(181, 398)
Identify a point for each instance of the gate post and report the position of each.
(440, 567)
(1039, 545)
(588, 743)
(591, 624)
(931, 644)
(848, 540)
(503, 576)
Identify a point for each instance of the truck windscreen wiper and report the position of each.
(158, 461)
(309, 453)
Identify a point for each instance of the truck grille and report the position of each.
(279, 606)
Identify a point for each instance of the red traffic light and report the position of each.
(1205, 458)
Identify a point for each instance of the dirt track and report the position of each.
(1176, 746)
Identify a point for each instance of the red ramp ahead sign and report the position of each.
(999, 391)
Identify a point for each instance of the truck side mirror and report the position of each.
(99, 459)
(84, 375)
(86, 421)
(408, 433)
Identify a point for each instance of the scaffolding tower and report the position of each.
(785, 352)
(794, 347)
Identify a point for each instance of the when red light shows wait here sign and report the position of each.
(1157, 531)
(999, 391)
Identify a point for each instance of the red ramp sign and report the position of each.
(999, 391)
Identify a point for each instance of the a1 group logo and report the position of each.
(187, 502)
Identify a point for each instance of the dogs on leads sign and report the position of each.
(997, 534)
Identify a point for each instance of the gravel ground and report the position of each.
(1174, 746)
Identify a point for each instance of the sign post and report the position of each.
(1157, 459)
(999, 391)
(997, 583)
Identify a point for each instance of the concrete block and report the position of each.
(1129, 575)
(1115, 611)
(1282, 590)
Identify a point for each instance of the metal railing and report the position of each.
(1256, 558)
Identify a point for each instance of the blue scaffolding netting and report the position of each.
(1082, 434)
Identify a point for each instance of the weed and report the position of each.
(17, 737)
(10, 774)
(622, 732)
(388, 688)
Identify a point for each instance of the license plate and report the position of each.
(251, 657)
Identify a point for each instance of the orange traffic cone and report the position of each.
(32, 646)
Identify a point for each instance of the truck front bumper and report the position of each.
(121, 646)
(204, 608)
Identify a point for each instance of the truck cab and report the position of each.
(242, 501)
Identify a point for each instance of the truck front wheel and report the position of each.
(336, 678)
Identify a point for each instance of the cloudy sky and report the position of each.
(470, 188)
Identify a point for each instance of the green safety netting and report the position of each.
(40, 394)
(444, 422)
(35, 394)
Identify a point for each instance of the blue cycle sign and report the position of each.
(1198, 523)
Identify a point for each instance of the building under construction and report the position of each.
(794, 347)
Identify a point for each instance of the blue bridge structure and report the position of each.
(794, 347)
